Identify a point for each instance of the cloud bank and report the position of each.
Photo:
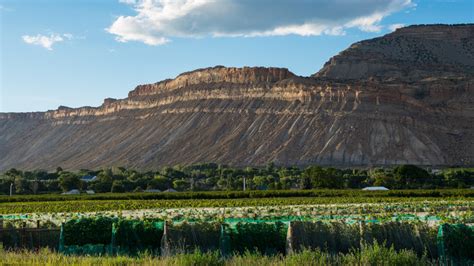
(156, 21)
(46, 41)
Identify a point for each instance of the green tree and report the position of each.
(68, 181)
(117, 187)
(458, 177)
(21, 185)
(160, 182)
(324, 178)
(410, 176)
(180, 185)
(103, 182)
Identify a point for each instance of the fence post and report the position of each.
(224, 241)
(61, 239)
(165, 245)
(112, 240)
(440, 244)
(289, 238)
(362, 233)
(1, 233)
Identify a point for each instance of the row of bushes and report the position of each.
(468, 193)
(131, 237)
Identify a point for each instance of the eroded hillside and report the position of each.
(406, 97)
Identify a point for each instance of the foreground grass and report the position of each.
(370, 255)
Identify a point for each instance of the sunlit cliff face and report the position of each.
(407, 97)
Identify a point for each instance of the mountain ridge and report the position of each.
(369, 105)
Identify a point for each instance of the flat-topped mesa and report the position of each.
(436, 31)
(217, 74)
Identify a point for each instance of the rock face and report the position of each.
(411, 53)
(406, 97)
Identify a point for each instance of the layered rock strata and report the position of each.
(406, 97)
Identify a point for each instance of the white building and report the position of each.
(152, 190)
(72, 192)
(88, 178)
(375, 188)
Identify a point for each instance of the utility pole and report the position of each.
(11, 189)
(244, 182)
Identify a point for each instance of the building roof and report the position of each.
(88, 177)
(152, 190)
(72, 192)
(375, 188)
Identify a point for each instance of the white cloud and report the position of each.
(157, 21)
(46, 41)
(128, 2)
(6, 9)
(367, 23)
(393, 27)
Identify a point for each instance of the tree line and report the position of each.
(211, 177)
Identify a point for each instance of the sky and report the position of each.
(79, 52)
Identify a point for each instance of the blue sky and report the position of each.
(78, 52)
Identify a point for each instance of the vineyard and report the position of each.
(232, 225)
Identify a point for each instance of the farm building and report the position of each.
(88, 178)
(152, 190)
(375, 188)
(72, 192)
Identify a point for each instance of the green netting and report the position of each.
(238, 235)
(187, 237)
(456, 243)
(88, 231)
(266, 238)
(87, 236)
(224, 241)
(333, 237)
(348, 219)
(28, 238)
(414, 236)
(14, 217)
(134, 236)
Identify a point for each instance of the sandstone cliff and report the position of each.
(406, 97)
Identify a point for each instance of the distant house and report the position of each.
(170, 190)
(72, 192)
(436, 171)
(90, 192)
(375, 188)
(152, 190)
(88, 178)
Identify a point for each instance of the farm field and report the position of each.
(332, 227)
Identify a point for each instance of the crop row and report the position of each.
(453, 211)
(324, 193)
(118, 205)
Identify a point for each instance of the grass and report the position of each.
(368, 255)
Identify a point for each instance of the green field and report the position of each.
(284, 227)
(137, 201)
